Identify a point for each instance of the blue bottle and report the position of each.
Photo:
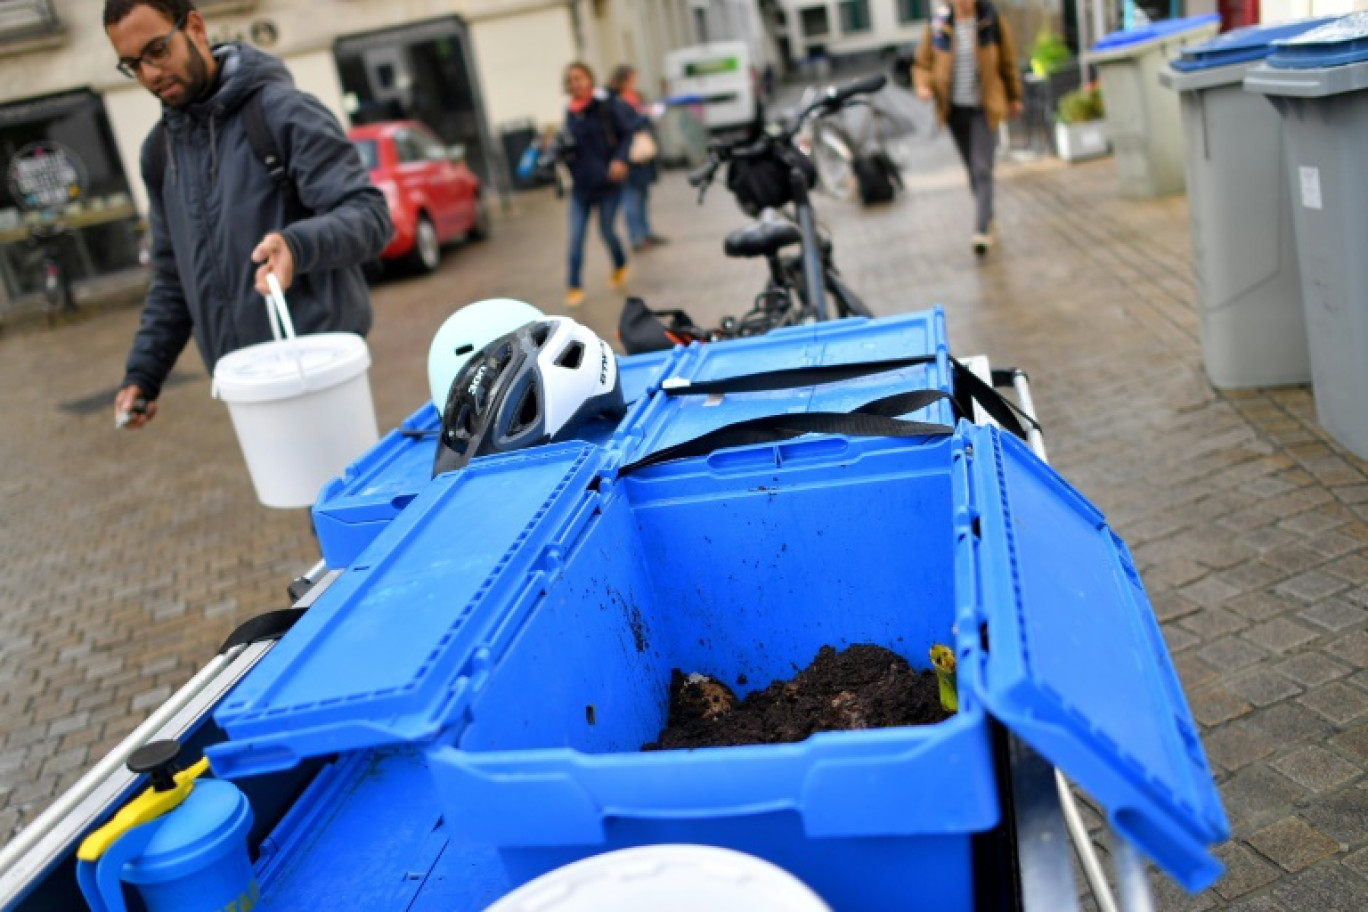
(182, 844)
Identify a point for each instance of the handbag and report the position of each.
(643, 148)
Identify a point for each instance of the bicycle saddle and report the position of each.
(761, 239)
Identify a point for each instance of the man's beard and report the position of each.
(197, 83)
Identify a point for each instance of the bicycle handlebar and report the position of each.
(720, 152)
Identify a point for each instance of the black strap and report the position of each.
(264, 147)
(873, 419)
(969, 387)
(269, 626)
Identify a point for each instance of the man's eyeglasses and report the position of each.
(157, 51)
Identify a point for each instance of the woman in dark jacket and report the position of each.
(637, 190)
(599, 128)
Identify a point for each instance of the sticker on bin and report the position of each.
(1310, 187)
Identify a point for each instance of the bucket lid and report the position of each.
(1337, 43)
(285, 369)
(1076, 666)
(1154, 31)
(211, 822)
(665, 878)
(1253, 42)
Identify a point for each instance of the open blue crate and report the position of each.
(353, 509)
(531, 652)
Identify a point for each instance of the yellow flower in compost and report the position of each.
(943, 660)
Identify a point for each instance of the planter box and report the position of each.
(1082, 141)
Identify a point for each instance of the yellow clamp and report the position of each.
(943, 659)
(150, 805)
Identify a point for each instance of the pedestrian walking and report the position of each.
(598, 130)
(222, 216)
(641, 171)
(967, 63)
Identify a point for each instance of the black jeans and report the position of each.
(977, 145)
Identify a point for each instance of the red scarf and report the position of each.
(577, 105)
(633, 99)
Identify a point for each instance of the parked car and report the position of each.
(434, 198)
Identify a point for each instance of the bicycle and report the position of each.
(47, 242)
(769, 176)
(858, 150)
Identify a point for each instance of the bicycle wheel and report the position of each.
(833, 155)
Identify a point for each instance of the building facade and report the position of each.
(468, 68)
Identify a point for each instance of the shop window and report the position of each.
(100, 213)
(854, 16)
(815, 22)
(911, 11)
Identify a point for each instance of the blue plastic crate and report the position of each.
(352, 510)
(669, 420)
(743, 567)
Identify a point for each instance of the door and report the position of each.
(450, 186)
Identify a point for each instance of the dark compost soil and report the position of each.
(863, 686)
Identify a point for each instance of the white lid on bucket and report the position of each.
(665, 878)
(287, 368)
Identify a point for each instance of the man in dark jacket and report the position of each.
(220, 221)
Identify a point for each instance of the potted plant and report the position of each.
(1080, 131)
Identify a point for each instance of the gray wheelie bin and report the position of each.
(1318, 82)
(1243, 248)
(1141, 117)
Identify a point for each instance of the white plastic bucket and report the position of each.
(302, 410)
(665, 878)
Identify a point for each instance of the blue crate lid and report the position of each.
(1253, 42)
(1337, 43)
(1076, 665)
(668, 420)
(1161, 29)
(394, 649)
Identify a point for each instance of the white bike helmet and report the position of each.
(467, 331)
(535, 385)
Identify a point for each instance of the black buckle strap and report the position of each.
(873, 419)
(269, 626)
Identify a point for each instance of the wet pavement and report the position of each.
(128, 557)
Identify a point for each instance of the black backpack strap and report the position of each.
(873, 419)
(155, 170)
(266, 150)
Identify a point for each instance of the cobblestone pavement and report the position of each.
(128, 556)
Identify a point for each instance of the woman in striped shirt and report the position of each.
(967, 63)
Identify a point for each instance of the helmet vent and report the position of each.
(540, 333)
(527, 412)
(572, 356)
(464, 349)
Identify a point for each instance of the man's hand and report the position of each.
(924, 92)
(617, 171)
(131, 407)
(274, 255)
(1014, 109)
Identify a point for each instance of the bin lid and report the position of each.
(1253, 42)
(1076, 665)
(1164, 28)
(284, 369)
(1339, 42)
(395, 649)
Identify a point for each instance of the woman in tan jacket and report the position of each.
(967, 62)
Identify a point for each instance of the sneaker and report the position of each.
(619, 277)
(982, 243)
(655, 240)
(574, 297)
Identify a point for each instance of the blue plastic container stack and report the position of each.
(530, 653)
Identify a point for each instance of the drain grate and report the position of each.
(104, 399)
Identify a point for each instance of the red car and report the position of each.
(433, 197)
